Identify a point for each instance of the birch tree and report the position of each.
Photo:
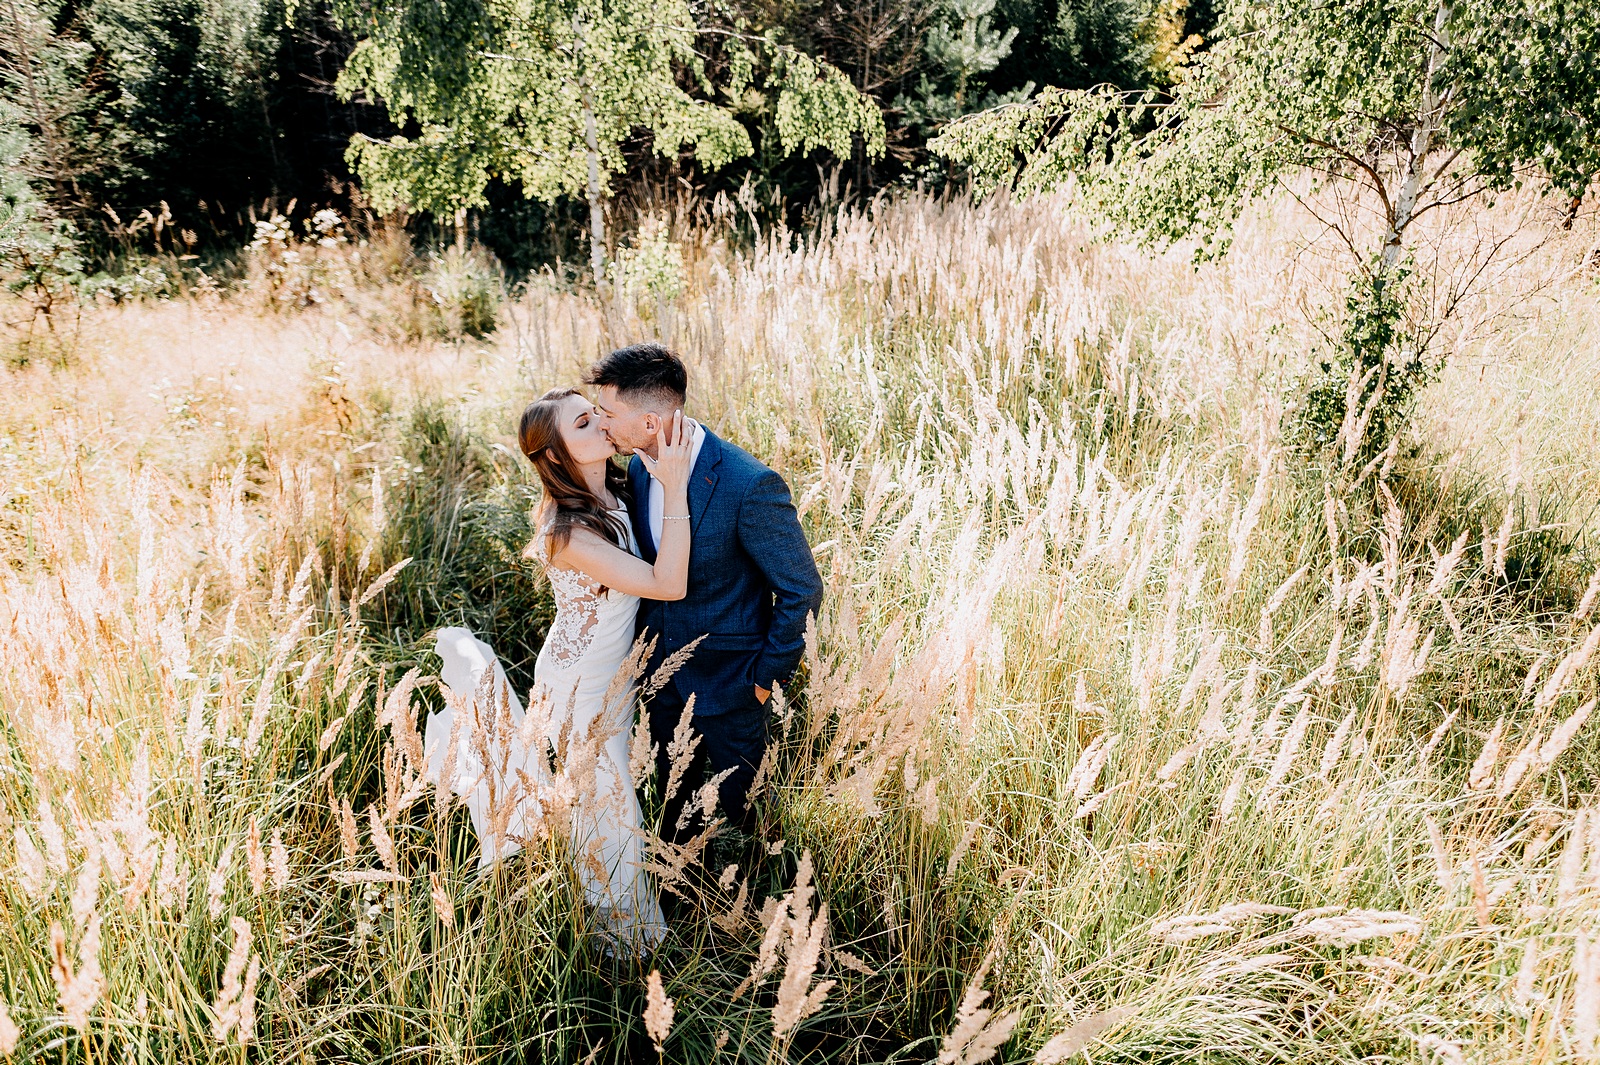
(1412, 105)
(542, 94)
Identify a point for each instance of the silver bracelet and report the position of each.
(674, 517)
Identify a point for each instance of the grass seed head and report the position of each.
(1066, 1045)
(10, 1034)
(278, 861)
(78, 990)
(658, 1011)
(255, 857)
(31, 871)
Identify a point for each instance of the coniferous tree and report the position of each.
(50, 101)
(962, 46)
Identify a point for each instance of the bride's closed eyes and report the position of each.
(584, 432)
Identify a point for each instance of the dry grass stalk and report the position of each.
(960, 850)
(1086, 771)
(1187, 927)
(268, 685)
(977, 1034)
(1437, 736)
(1569, 667)
(1481, 905)
(1585, 995)
(377, 586)
(349, 831)
(798, 998)
(381, 840)
(1482, 773)
(256, 858)
(1591, 595)
(681, 748)
(1287, 750)
(31, 872)
(1520, 763)
(443, 907)
(234, 1011)
(1443, 872)
(658, 1012)
(1563, 736)
(217, 882)
(1527, 974)
(77, 990)
(10, 1034)
(1571, 866)
(278, 861)
(1357, 926)
(1334, 749)
(1064, 1046)
(172, 884)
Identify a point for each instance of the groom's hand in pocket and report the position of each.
(763, 694)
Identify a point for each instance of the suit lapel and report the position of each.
(639, 513)
(703, 481)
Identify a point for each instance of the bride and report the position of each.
(496, 755)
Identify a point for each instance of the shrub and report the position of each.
(1366, 381)
(466, 290)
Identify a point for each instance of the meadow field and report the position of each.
(1129, 732)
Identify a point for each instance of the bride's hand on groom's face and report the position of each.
(671, 463)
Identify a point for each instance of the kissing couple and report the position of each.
(696, 555)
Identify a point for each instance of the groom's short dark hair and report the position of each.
(641, 371)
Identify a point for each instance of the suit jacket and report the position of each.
(752, 580)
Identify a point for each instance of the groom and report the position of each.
(752, 581)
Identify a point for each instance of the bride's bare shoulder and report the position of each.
(544, 549)
(538, 549)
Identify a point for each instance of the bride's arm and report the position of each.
(603, 561)
(613, 567)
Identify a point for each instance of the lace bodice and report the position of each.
(581, 606)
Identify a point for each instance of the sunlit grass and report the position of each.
(1168, 740)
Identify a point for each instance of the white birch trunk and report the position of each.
(1422, 144)
(597, 215)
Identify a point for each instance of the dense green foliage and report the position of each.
(541, 94)
(1415, 105)
(172, 124)
(1366, 89)
(164, 123)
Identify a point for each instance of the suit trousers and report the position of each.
(734, 739)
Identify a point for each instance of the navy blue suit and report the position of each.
(752, 582)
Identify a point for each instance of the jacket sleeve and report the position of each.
(770, 533)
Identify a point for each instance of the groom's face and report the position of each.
(629, 426)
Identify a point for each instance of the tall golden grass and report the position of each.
(1126, 734)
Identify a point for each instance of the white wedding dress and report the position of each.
(583, 708)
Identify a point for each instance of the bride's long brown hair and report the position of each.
(574, 506)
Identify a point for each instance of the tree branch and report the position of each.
(1351, 157)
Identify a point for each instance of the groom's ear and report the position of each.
(652, 422)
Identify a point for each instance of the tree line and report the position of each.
(171, 124)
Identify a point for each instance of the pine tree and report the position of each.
(48, 96)
(962, 45)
